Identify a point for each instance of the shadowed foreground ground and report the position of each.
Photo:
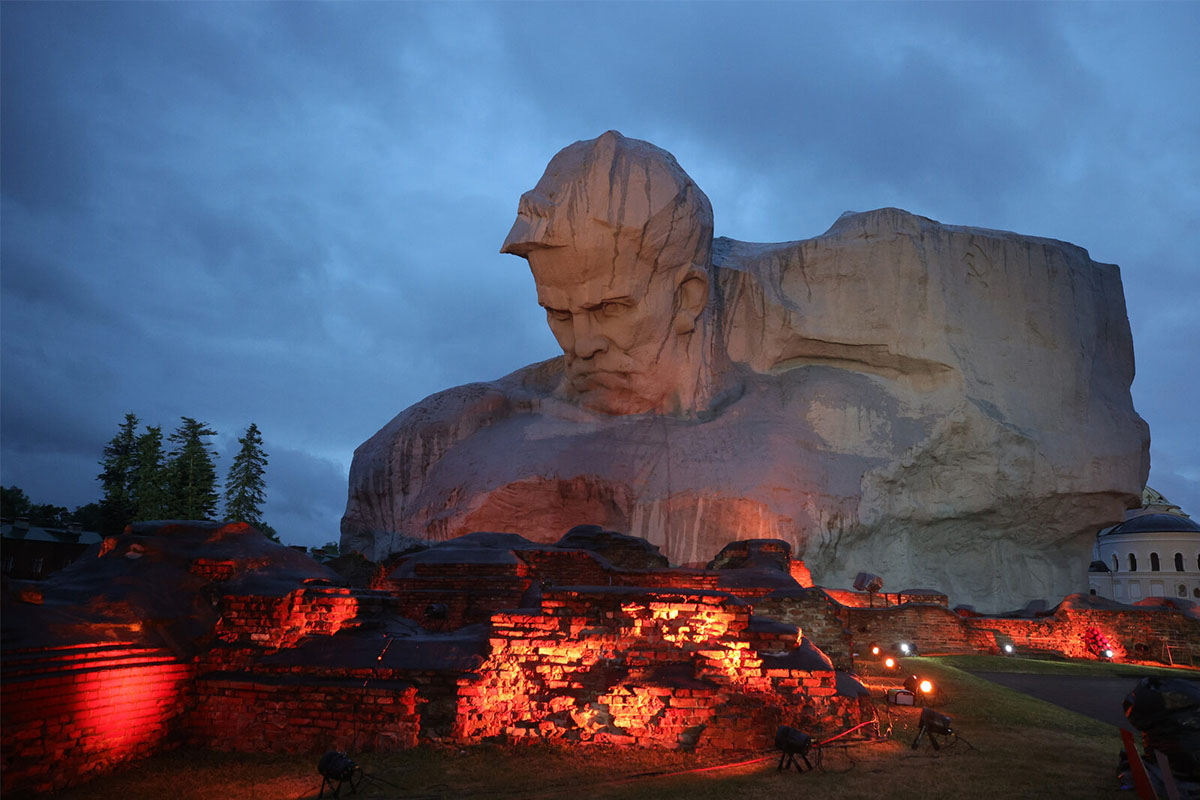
(1013, 746)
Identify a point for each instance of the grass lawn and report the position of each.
(1099, 669)
(1023, 748)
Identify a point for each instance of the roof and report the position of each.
(1155, 523)
(34, 533)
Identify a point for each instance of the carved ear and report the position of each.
(690, 298)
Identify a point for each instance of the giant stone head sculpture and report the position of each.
(619, 240)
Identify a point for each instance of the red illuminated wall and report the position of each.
(72, 712)
(635, 666)
(281, 621)
(284, 714)
(1141, 634)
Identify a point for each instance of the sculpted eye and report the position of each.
(558, 315)
(611, 308)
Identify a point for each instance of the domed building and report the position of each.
(1155, 552)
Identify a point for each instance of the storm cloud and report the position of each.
(289, 214)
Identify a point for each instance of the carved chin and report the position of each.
(610, 393)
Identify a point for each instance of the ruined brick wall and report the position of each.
(932, 628)
(854, 599)
(1149, 635)
(299, 714)
(817, 616)
(800, 573)
(638, 666)
(1144, 634)
(448, 603)
(73, 712)
(447, 596)
(281, 621)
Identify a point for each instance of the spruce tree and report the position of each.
(191, 472)
(149, 490)
(116, 476)
(245, 488)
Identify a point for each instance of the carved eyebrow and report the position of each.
(623, 300)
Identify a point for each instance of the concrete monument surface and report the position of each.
(942, 406)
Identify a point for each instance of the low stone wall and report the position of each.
(1153, 634)
(70, 713)
(299, 714)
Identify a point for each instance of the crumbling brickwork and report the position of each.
(654, 668)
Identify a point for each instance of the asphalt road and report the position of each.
(1098, 698)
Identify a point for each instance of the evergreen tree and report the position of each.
(191, 472)
(149, 491)
(14, 502)
(245, 488)
(116, 476)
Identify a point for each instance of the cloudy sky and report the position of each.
(289, 214)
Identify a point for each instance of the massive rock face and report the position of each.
(941, 406)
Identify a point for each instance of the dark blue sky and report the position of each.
(290, 213)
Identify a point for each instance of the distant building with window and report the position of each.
(1155, 552)
(29, 552)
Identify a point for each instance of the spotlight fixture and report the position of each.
(901, 697)
(933, 724)
(1008, 649)
(920, 688)
(889, 663)
(874, 649)
(336, 768)
(792, 743)
(904, 648)
(1108, 653)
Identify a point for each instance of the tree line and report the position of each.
(15, 504)
(146, 478)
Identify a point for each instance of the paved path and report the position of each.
(1098, 698)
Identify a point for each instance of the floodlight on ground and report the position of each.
(889, 663)
(336, 768)
(791, 744)
(901, 697)
(1108, 653)
(875, 650)
(1008, 649)
(933, 725)
(922, 689)
(904, 648)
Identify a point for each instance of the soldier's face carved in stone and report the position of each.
(619, 240)
(624, 326)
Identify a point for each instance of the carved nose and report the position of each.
(588, 341)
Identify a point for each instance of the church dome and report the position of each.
(1155, 523)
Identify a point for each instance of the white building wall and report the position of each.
(1128, 585)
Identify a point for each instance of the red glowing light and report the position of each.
(889, 662)
(875, 650)
(926, 687)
